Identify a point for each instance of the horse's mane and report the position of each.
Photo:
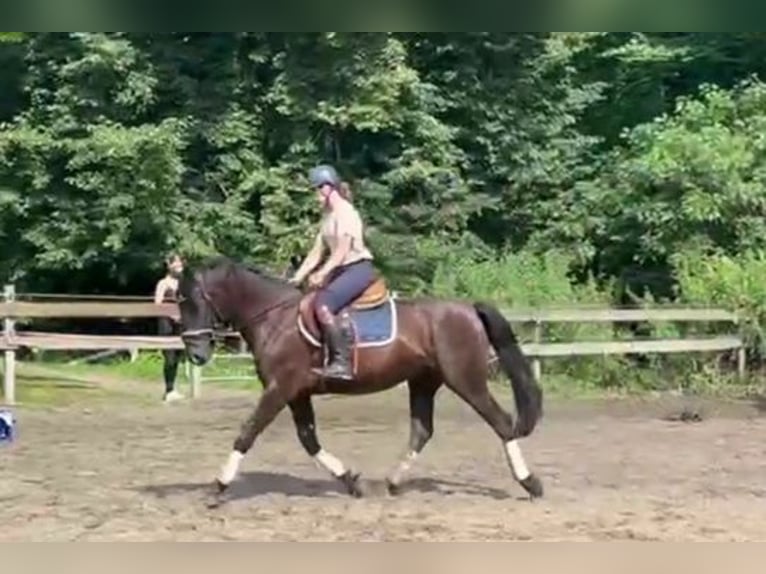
(230, 264)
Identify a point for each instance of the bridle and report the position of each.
(254, 320)
(191, 333)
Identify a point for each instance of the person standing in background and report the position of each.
(165, 292)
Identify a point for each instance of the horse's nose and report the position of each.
(197, 359)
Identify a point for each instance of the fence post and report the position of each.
(741, 352)
(537, 368)
(196, 381)
(742, 362)
(9, 366)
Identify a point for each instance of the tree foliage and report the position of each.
(620, 149)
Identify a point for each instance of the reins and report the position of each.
(278, 305)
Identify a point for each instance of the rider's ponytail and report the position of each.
(345, 191)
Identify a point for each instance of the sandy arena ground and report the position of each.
(612, 470)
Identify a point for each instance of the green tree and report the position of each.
(688, 180)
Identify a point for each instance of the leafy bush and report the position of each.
(736, 283)
(528, 281)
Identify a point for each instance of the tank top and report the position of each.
(169, 295)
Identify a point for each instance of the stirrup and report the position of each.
(334, 372)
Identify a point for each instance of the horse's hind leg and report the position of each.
(471, 385)
(305, 425)
(422, 392)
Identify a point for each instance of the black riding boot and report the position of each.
(339, 338)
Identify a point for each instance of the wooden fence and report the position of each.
(12, 310)
(539, 349)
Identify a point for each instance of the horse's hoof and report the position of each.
(217, 498)
(351, 482)
(393, 488)
(533, 486)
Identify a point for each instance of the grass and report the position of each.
(52, 381)
(39, 392)
(148, 369)
(44, 390)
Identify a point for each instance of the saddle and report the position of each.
(374, 296)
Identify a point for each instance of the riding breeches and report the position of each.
(345, 284)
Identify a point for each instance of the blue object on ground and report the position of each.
(7, 426)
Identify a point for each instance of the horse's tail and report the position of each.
(527, 393)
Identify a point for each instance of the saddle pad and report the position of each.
(376, 327)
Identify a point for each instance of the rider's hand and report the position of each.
(316, 279)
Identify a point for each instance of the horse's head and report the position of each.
(224, 292)
(201, 300)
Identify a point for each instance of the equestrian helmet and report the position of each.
(324, 174)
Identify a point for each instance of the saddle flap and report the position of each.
(306, 312)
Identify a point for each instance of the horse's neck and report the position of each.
(259, 296)
(263, 316)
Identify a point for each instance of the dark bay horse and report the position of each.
(433, 342)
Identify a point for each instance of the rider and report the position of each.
(346, 273)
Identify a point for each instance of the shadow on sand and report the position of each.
(758, 402)
(254, 484)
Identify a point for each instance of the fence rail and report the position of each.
(85, 310)
(11, 310)
(537, 350)
(608, 315)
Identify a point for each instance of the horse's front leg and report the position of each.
(305, 425)
(270, 404)
(422, 393)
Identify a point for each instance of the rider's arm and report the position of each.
(342, 247)
(159, 292)
(311, 261)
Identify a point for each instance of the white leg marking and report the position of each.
(403, 468)
(516, 460)
(330, 462)
(229, 470)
